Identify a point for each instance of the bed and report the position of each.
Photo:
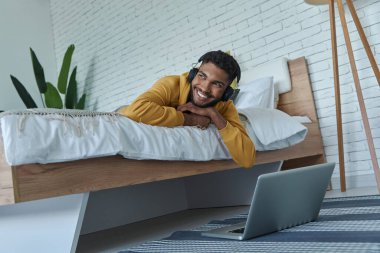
(32, 181)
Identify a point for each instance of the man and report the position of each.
(198, 98)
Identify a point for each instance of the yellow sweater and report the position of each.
(157, 107)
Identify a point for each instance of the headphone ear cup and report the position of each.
(227, 94)
(192, 74)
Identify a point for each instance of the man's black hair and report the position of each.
(223, 61)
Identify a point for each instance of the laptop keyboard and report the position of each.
(238, 231)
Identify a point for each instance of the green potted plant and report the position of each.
(50, 94)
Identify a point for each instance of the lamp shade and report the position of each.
(317, 2)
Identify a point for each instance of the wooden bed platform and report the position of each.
(38, 181)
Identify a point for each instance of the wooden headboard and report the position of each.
(37, 181)
(300, 102)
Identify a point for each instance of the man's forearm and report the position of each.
(218, 120)
(192, 119)
(208, 112)
(239, 145)
(153, 114)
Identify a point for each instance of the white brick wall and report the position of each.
(123, 46)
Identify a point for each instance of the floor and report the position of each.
(362, 191)
(122, 237)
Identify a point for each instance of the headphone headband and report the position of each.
(237, 73)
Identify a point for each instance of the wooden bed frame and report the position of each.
(37, 181)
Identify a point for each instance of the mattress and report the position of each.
(49, 135)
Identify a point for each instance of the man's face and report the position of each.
(208, 85)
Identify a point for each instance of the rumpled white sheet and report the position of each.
(48, 136)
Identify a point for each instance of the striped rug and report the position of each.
(344, 225)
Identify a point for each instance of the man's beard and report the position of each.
(210, 104)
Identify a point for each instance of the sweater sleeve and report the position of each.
(236, 139)
(157, 106)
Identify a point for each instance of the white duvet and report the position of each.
(47, 136)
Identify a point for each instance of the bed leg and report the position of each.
(47, 225)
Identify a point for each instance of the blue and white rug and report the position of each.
(344, 225)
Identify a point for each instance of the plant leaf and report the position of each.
(65, 68)
(38, 72)
(81, 102)
(23, 93)
(52, 97)
(71, 93)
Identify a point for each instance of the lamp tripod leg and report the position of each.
(364, 40)
(337, 98)
(359, 94)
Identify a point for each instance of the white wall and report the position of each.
(24, 24)
(124, 46)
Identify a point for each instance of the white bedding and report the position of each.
(272, 129)
(47, 136)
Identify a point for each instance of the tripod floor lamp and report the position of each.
(356, 81)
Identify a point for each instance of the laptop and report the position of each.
(281, 200)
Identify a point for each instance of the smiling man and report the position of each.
(198, 98)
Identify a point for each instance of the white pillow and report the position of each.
(272, 129)
(259, 93)
(278, 69)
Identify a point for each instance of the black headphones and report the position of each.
(228, 93)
